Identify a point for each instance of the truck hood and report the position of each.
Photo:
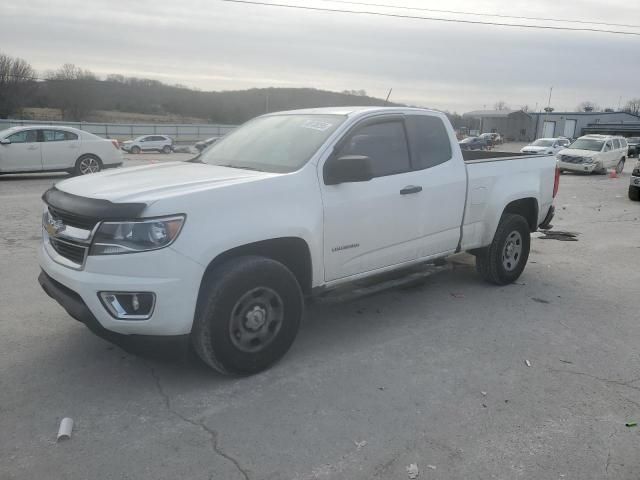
(154, 182)
(575, 152)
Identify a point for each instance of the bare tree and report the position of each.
(500, 105)
(17, 80)
(588, 106)
(633, 106)
(72, 92)
(525, 108)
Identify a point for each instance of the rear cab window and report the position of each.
(429, 140)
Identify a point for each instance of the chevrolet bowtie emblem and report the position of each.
(54, 227)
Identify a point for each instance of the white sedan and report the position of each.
(545, 146)
(51, 149)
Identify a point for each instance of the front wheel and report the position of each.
(166, 149)
(503, 261)
(248, 315)
(87, 164)
(135, 150)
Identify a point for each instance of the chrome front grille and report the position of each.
(570, 159)
(69, 250)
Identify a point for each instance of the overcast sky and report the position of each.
(214, 45)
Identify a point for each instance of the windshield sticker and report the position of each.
(316, 125)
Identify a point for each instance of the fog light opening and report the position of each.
(128, 305)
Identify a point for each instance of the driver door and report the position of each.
(23, 154)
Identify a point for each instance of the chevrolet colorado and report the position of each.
(222, 251)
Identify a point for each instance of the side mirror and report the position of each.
(347, 169)
(5, 141)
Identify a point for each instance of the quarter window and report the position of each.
(26, 136)
(384, 143)
(430, 145)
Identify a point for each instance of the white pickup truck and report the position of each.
(222, 251)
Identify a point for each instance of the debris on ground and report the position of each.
(540, 300)
(432, 467)
(66, 426)
(412, 471)
(527, 363)
(631, 424)
(361, 444)
(484, 394)
(457, 295)
(560, 235)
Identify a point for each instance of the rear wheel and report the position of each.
(503, 261)
(87, 164)
(248, 315)
(634, 193)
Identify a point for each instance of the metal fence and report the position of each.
(182, 133)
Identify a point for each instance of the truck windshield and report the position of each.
(542, 143)
(275, 143)
(587, 144)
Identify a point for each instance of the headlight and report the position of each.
(587, 159)
(136, 236)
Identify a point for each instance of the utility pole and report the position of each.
(266, 103)
(547, 110)
(619, 102)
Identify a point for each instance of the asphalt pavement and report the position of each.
(534, 380)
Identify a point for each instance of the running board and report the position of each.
(379, 283)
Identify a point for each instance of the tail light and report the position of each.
(116, 144)
(556, 182)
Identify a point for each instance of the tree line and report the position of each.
(77, 92)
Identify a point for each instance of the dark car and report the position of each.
(201, 145)
(634, 146)
(473, 143)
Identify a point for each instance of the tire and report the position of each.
(512, 234)
(166, 149)
(87, 164)
(620, 166)
(634, 193)
(248, 315)
(135, 150)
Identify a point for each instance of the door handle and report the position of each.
(409, 189)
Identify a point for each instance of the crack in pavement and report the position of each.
(213, 434)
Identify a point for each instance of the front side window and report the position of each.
(384, 143)
(542, 143)
(274, 143)
(26, 136)
(430, 145)
(607, 147)
(616, 143)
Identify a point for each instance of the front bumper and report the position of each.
(177, 345)
(578, 167)
(174, 278)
